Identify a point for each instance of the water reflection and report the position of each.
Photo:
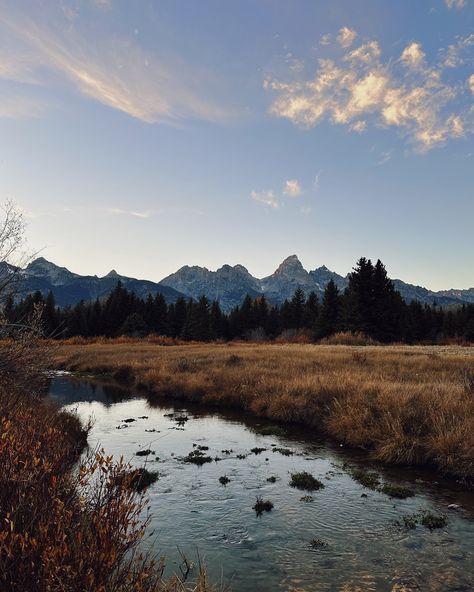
(362, 548)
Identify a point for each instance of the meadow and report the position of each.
(407, 405)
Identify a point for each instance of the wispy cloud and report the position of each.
(455, 3)
(14, 106)
(385, 157)
(266, 197)
(114, 71)
(317, 181)
(132, 213)
(359, 88)
(292, 188)
(325, 39)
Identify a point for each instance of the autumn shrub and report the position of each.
(65, 526)
(348, 338)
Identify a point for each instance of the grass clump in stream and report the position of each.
(426, 518)
(368, 479)
(197, 457)
(397, 491)
(262, 505)
(371, 480)
(146, 452)
(137, 479)
(284, 451)
(257, 450)
(224, 480)
(305, 480)
(317, 544)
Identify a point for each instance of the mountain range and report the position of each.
(229, 284)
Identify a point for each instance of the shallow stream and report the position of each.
(348, 538)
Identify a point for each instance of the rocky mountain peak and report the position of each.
(43, 268)
(290, 266)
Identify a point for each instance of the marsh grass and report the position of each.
(404, 405)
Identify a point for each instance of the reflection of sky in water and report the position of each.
(191, 509)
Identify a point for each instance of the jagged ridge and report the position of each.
(229, 284)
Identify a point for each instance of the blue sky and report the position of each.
(143, 136)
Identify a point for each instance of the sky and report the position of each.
(146, 135)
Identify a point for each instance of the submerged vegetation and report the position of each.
(405, 405)
(426, 518)
(371, 480)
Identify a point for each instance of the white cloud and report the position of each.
(367, 53)
(360, 88)
(346, 37)
(470, 82)
(266, 197)
(114, 71)
(413, 56)
(455, 3)
(359, 126)
(292, 188)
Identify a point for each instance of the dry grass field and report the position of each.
(406, 405)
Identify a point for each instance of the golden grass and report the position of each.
(408, 405)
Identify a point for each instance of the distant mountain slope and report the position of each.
(70, 288)
(229, 284)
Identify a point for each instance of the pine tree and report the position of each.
(297, 306)
(328, 318)
(358, 299)
(311, 311)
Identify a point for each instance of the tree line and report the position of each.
(369, 305)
